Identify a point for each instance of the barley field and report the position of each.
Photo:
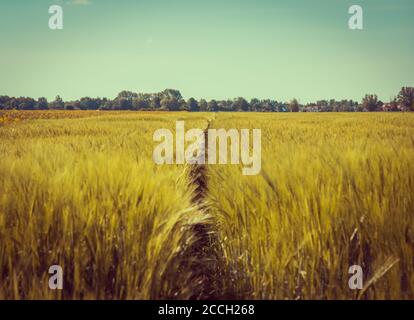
(80, 189)
(335, 190)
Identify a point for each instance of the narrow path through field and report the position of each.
(199, 171)
(206, 250)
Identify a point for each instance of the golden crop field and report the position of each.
(80, 189)
(335, 190)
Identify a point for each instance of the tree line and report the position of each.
(172, 100)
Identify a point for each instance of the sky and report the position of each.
(218, 49)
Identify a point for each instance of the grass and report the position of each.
(81, 190)
(335, 190)
(86, 195)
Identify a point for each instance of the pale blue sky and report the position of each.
(212, 49)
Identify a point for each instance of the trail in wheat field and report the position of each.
(206, 250)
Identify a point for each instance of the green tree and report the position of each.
(255, 104)
(57, 103)
(212, 106)
(406, 98)
(370, 102)
(393, 105)
(139, 103)
(87, 103)
(122, 104)
(203, 105)
(294, 106)
(70, 105)
(26, 103)
(42, 104)
(192, 105)
(107, 105)
(4, 101)
(127, 95)
(156, 102)
(171, 104)
(183, 106)
(171, 93)
(240, 104)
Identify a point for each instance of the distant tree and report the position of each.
(255, 105)
(240, 104)
(212, 106)
(107, 105)
(370, 102)
(12, 103)
(57, 103)
(156, 102)
(192, 105)
(294, 106)
(164, 104)
(4, 100)
(70, 105)
(406, 98)
(267, 105)
(171, 93)
(394, 105)
(322, 103)
(225, 105)
(42, 104)
(221, 105)
(171, 99)
(122, 104)
(281, 107)
(87, 103)
(183, 106)
(25, 103)
(127, 95)
(171, 104)
(203, 105)
(140, 103)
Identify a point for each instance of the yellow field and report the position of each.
(85, 194)
(335, 190)
(80, 189)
